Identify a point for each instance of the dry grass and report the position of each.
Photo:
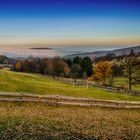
(32, 121)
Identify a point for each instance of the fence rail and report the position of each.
(64, 100)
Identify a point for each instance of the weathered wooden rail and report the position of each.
(64, 100)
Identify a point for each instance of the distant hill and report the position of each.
(118, 52)
(6, 60)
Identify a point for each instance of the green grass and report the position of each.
(123, 82)
(37, 84)
(40, 122)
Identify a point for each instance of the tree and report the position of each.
(76, 71)
(85, 63)
(109, 56)
(18, 65)
(66, 71)
(43, 66)
(87, 66)
(59, 67)
(77, 60)
(132, 53)
(131, 64)
(69, 62)
(49, 70)
(101, 71)
(117, 69)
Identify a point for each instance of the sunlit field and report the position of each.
(38, 84)
(32, 121)
(123, 82)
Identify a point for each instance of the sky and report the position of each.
(69, 22)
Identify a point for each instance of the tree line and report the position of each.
(76, 68)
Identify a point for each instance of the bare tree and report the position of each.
(131, 64)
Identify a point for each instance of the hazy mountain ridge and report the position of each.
(118, 52)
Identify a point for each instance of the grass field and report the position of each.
(37, 84)
(123, 82)
(40, 122)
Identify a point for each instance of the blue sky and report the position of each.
(70, 22)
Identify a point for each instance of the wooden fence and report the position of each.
(90, 84)
(64, 100)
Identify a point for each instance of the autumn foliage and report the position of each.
(18, 65)
(54, 67)
(101, 71)
(77, 68)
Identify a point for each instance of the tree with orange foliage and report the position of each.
(59, 67)
(18, 65)
(101, 71)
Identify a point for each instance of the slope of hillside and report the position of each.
(36, 84)
(118, 52)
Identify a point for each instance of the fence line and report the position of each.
(89, 84)
(64, 100)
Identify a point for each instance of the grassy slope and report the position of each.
(33, 83)
(123, 82)
(32, 121)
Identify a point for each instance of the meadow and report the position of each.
(119, 82)
(38, 84)
(123, 82)
(37, 122)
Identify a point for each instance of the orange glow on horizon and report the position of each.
(70, 42)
